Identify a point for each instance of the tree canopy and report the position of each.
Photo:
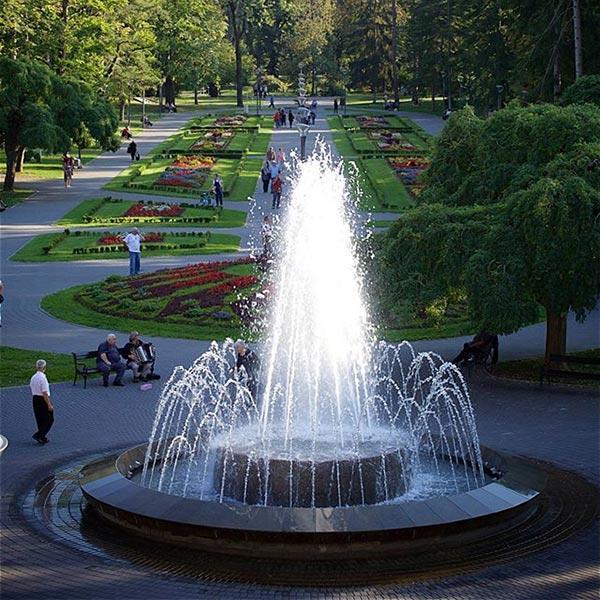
(508, 220)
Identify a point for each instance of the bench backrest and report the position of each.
(85, 355)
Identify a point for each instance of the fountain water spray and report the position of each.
(337, 419)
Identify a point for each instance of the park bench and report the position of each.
(552, 370)
(484, 357)
(84, 365)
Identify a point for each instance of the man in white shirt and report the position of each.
(42, 406)
(133, 241)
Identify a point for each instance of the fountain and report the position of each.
(344, 438)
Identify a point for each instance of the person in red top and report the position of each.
(276, 186)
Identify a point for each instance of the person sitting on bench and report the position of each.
(481, 344)
(109, 359)
(140, 362)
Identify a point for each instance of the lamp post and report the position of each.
(302, 115)
(499, 90)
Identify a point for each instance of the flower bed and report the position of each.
(116, 239)
(391, 141)
(186, 172)
(230, 121)
(213, 140)
(195, 294)
(142, 209)
(409, 170)
(372, 121)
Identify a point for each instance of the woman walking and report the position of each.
(68, 166)
(291, 118)
(265, 176)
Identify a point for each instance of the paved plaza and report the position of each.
(553, 423)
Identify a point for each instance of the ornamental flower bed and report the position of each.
(366, 121)
(116, 239)
(215, 139)
(189, 295)
(153, 210)
(409, 170)
(187, 172)
(389, 141)
(230, 121)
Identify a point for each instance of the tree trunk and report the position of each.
(169, 90)
(556, 334)
(20, 160)
(122, 110)
(577, 39)
(238, 71)
(195, 94)
(395, 85)
(12, 152)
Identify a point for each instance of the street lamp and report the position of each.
(499, 90)
(302, 115)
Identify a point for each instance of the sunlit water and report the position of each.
(327, 390)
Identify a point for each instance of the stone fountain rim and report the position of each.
(150, 513)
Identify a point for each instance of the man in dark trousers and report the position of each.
(218, 189)
(42, 405)
(109, 359)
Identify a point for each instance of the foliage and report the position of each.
(40, 109)
(513, 224)
(585, 90)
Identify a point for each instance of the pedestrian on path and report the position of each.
(218, 190)
(290, 118)
(132, 150)
(335, 106)
(271, 102)
(282, 111)
(133, 241)
(42, 405)
(280, 157)
(271, 154)
(68, 167)
(275, 170)
(276, 119)
(265, 176)
(276, 187)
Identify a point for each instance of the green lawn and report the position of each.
(64, 246)
(15, 197)
(390, 193)
(529, 369)
(360, 99)
(114, 210)
(50, 167)
(17, 366)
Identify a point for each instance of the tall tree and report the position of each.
(41, 109)
(508, 217)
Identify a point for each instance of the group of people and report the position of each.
(279, 118)
(110, 358)
(270, 173)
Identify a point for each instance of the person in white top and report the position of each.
(42, 405)
(133, 241)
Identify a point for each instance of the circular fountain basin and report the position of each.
(294, 532)
(302, 473)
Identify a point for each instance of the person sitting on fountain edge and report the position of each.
(249, 360)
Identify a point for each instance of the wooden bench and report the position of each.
(82, 366)
(549, 370)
